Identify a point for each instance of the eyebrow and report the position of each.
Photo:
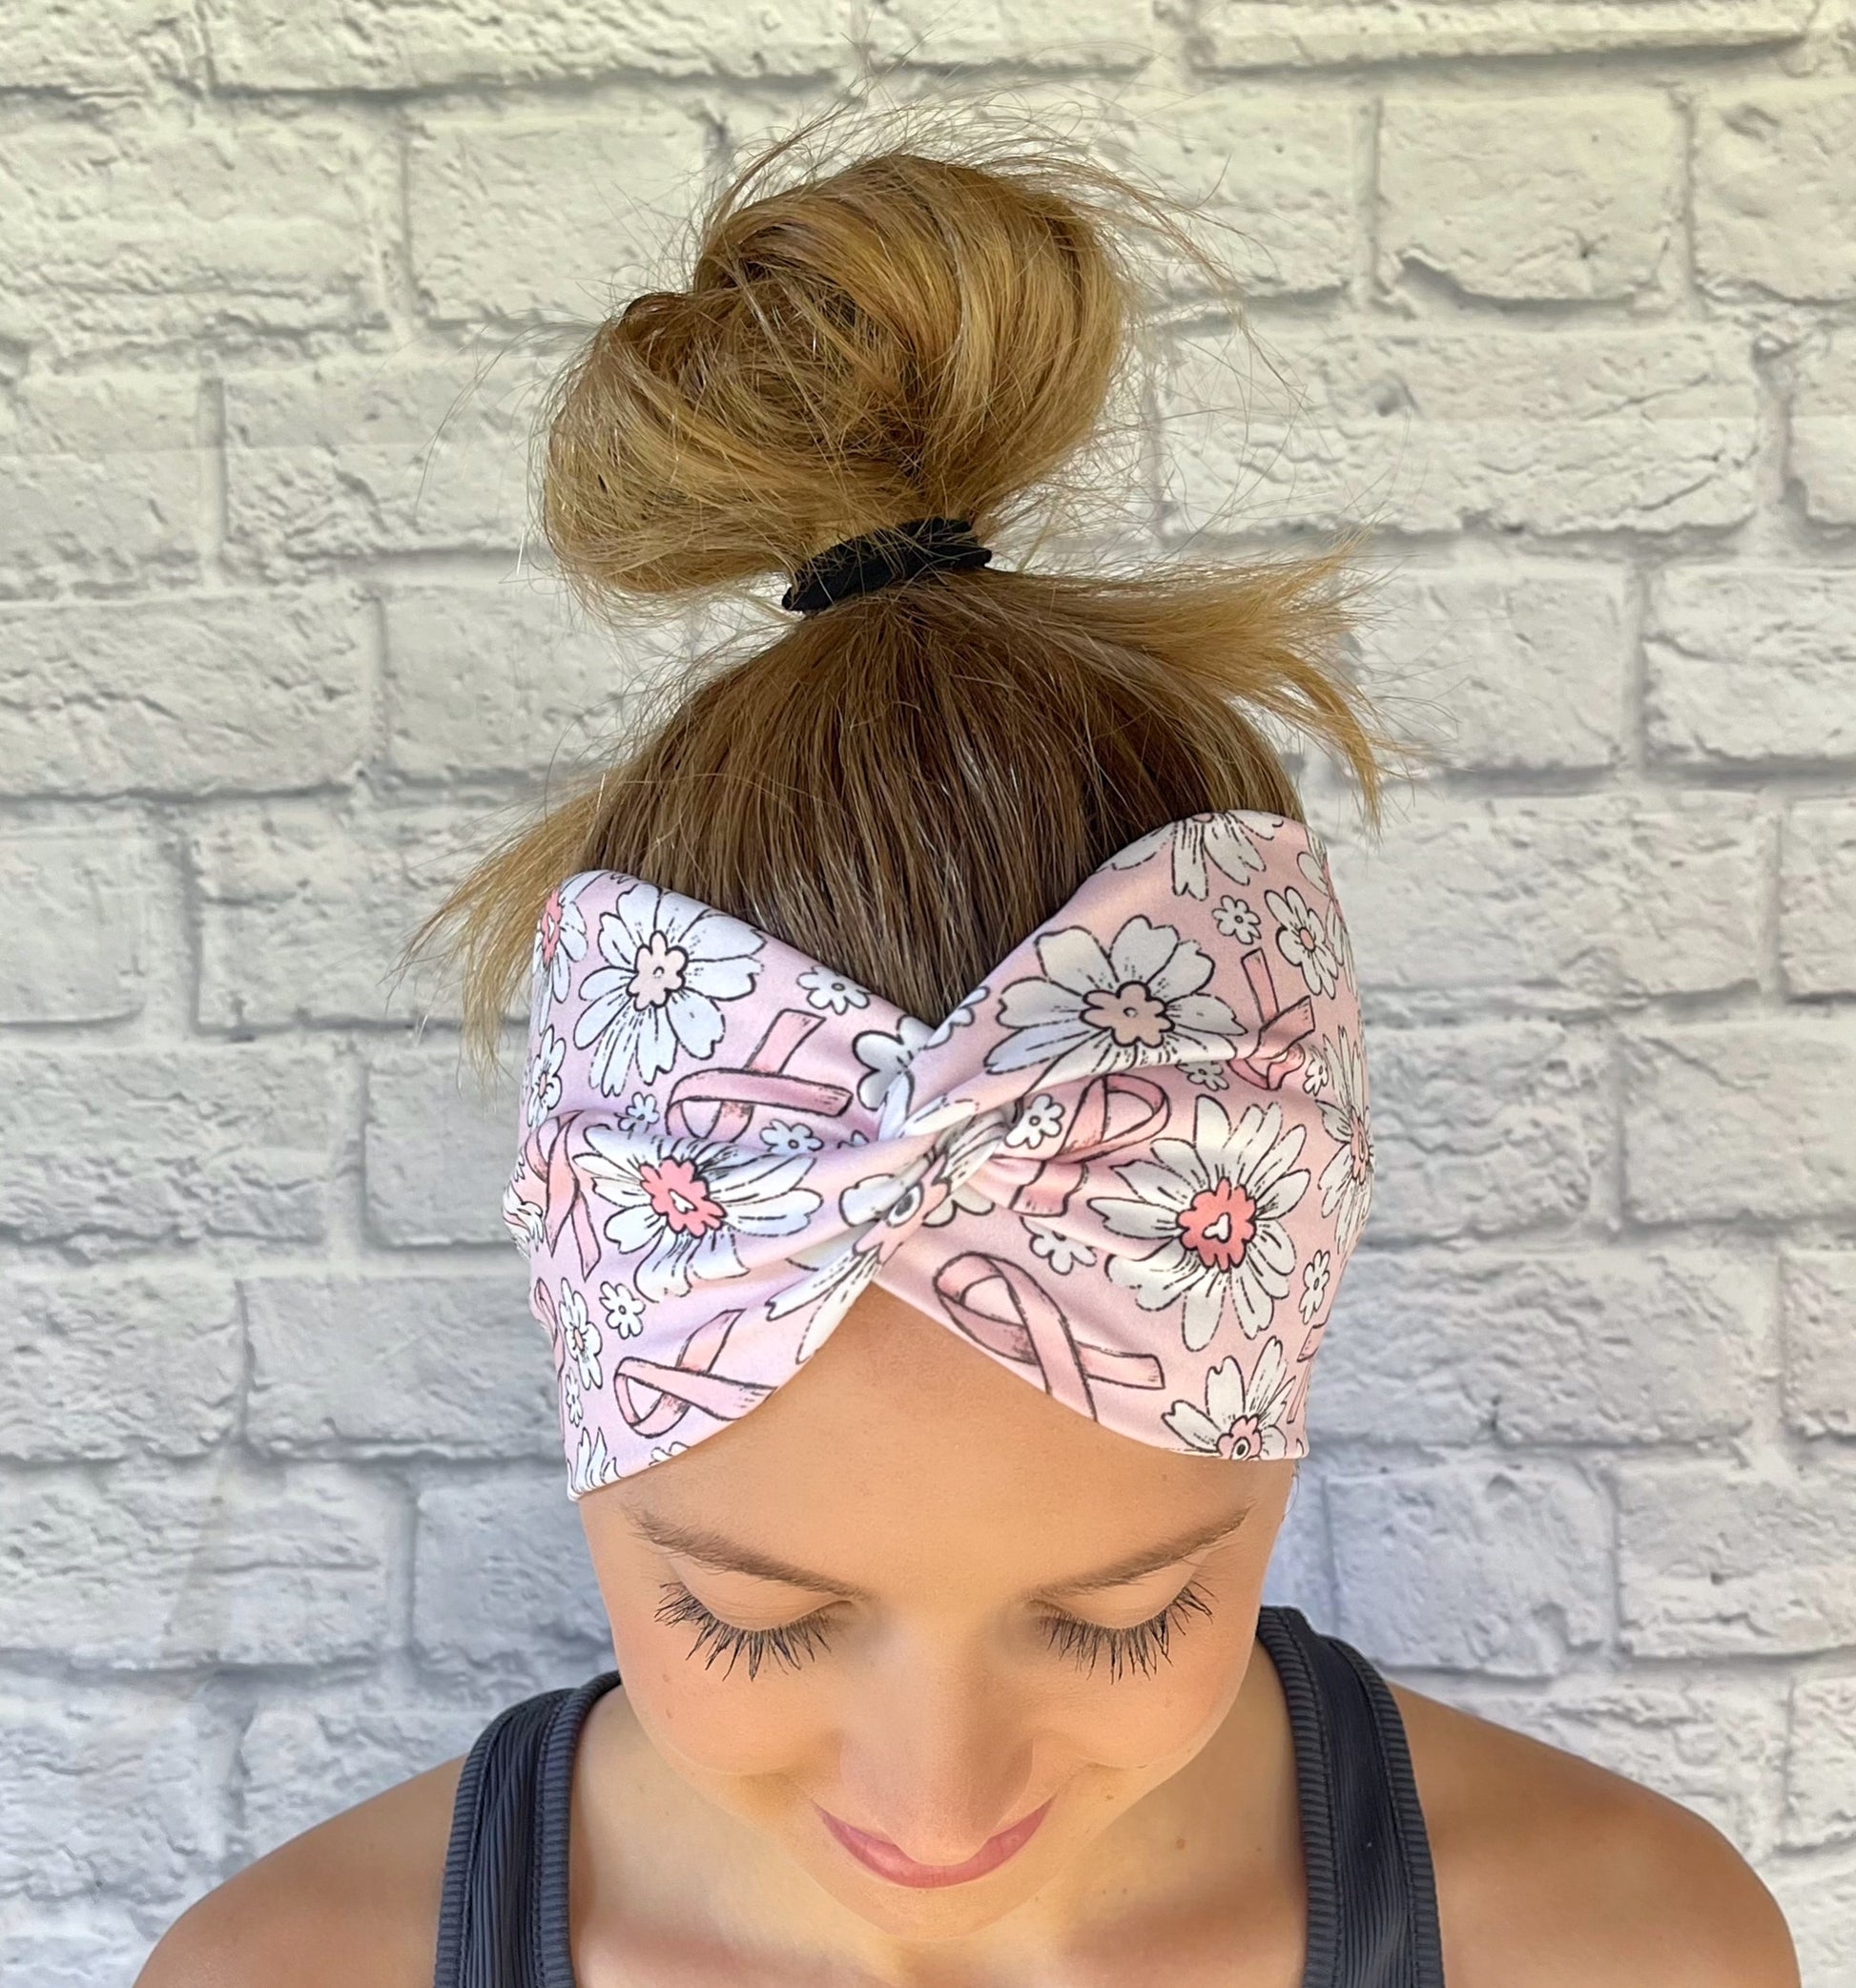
(713, 1549)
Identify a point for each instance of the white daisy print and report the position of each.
(789, 1136)
(1207, 1076)
(574, 1403)
(665, 1451)
(1347, 1179)
(1039, 1123)
(886, 1085)
(685, 1202)
(1202, 842)
(625, 1311)
(579, 1335)
(1239, 1420)
(1063, 1253)
(669, 963)
(1215, 1205)
(825, 990)
(1096, 1010)
(1237, 919)
(641, 1112)
(543, 1090)
(1301, 938)
(592, 1467)
(1315, 1273)
(523, 1221)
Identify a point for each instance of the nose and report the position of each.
(935, 1757)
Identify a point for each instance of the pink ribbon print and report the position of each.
(1129, 1166)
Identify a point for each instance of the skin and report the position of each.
(943, 1512)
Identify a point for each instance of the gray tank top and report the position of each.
(1372, 1911)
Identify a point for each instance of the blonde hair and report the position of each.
(906, 783)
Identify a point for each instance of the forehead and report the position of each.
(901, 1452)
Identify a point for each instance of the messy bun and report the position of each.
(905, 785)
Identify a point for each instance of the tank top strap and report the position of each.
(1372, 1905)
(502, 1914)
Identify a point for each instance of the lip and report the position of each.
(880, 1855)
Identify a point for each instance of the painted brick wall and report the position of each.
(1567, 294)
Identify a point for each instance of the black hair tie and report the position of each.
(883, 558)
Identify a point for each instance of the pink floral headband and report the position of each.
(1129, 1166)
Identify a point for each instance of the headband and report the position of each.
(1129, 1166)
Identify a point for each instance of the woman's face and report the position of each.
(936, 1659)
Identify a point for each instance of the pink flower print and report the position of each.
(685, 1201)
(825, 990)
(1301, 938)
(559, 940)
(1216, 1205)
(579, 1335)
(542, 1091)
(1201, 843)
(1095, 1010)
(1347, 1179)
(1238, 1420)
(669, 963)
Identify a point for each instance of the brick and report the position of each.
(502, 679)
(105, 477)
(1522, 672)
(515, 218)
(438, 1153)
(1265, 34)
(1739, 1118)
(1821, 1762)
(1818, 1897)
(1817, 897)
(1485, 1128)
(379, 45)
(1715, 1745)
(105, 1363)
(304, 911)
(99, 47)
(1775, 213)
(348, 457)
(1585, 1345)
(156, 1145)
(1816, 1298)
(1591, 897)
(1281, 170)
(1093, 34)
(167, 1568)
(127, 232)
(213, 694)
(1747, 665)
(1822, 465)
(76, 1944)
(53, 882)
(1524, 1584)
(1584, 431)
(105, 1792)
(1529, 200)
(303, 1761)
(501, 1582)
(1715, 1560)
(399, 1366)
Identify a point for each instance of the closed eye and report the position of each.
(796, 1643)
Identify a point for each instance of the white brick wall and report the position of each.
(1570, 294)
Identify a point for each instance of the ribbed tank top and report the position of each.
(1372, 1900)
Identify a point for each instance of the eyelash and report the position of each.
(794, 1643)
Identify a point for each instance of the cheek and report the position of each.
(1137, 1724)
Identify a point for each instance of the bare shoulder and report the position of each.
(351, 1903)
(1554, 1873)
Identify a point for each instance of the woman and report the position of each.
(926, 1675)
